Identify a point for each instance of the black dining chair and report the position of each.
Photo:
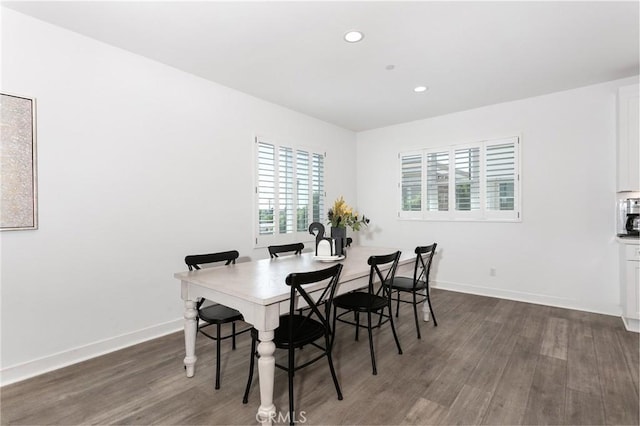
(375, 300)
(296, 330)
(296, 248)
(418, 286)
(216, 314)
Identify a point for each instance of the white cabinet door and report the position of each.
(630, 285)
(632, 275)
(635, 279)
(628, 145)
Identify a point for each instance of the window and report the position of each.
(289, 193)
(437, 181)
(412, 183)
(500, 176)
(478, 181)
(467, 172)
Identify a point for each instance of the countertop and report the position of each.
(628, 240)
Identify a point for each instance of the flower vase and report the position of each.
(339, 234)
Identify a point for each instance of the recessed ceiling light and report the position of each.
(420, 89)
(353, 36)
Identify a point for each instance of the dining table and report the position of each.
(258, 290)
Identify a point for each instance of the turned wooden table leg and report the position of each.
(266, 373)
(190, 330)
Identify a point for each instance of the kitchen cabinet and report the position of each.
(630, 283)
(628, 146)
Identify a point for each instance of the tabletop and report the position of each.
(262, 281)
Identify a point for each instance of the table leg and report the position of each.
(266, 374)
(190, 330)
(426, 313)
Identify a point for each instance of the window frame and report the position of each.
(265, 240)
(483, 213)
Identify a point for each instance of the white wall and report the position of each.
(563, 252)
(139, 164)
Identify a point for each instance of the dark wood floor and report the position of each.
(489, 361)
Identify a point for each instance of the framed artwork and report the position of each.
(18, 183)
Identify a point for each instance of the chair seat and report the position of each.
(306, 330)
(406, 284)
(361, 302)
(219, 314)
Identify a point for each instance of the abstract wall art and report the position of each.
(18, 177)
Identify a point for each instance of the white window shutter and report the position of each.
(266, 188)
(437, 181)
(467, 179)
(302, 190)
(501, 179)
(317, 179)
(285, 190)
(289, 193)
(411, 182)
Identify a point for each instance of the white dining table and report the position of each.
(257, 289)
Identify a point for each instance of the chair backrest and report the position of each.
(285, 248)
(194, 261)
(378, 263)
(297, 279)
(422, 267)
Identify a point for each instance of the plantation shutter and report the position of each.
(266, 188)
(289, 193)
(317, 179)
(411, 182)
(303, 187)
(500, 166)
(467, 178)
(475, 181)
(438, 181)
(285, 190)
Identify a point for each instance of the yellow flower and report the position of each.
(341, 215)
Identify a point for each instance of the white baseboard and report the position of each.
(537, 299)
(39, 366)
(631, 324)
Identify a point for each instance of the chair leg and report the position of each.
(333, 371)
(393, 328)
(433, 316)
(233, 335)
(218, 356)
(357, 318)
(290, 374)
(415, 313)
(333, 335)
(373, 356)
(245, 398)
(397, 302)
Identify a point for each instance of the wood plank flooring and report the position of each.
(489, 361)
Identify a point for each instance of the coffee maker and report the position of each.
(629, 217)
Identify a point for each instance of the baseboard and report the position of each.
(631, 324)
(43, 365)
(537, 299)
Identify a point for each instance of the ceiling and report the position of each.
(293, 54)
